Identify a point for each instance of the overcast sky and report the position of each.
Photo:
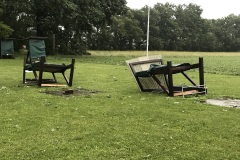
(212, 9)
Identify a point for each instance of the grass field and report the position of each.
(118, 122)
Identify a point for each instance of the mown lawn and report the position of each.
(118, 121)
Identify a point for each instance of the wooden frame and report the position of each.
(169, 70)
(38, 65)
(160, 78)
(142, 64)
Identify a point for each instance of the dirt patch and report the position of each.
(71, 92)
(225, 102)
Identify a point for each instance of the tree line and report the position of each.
(81, 25)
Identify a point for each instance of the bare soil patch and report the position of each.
(71, 92)
(224, 102)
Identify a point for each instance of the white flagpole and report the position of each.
(148, 26)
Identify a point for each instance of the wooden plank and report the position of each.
(53, 85)
(186, 93)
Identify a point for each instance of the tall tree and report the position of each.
(190, 24)
(126, 31)
(227, 31)
(70, 20)
(168, 28)
(93, 20)
(5, 30)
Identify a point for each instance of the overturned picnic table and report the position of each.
(152, 75)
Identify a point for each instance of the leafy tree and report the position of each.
(126, 32)
(168, 28)
(101, 39)
(190, 24)
(227, 31)
(5, 30)
(207, 39)
(155, 41)
(109, 25)
(141, 17)
(70, 20)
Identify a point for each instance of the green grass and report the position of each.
(119, 122)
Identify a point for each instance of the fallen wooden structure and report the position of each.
(159, 77)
